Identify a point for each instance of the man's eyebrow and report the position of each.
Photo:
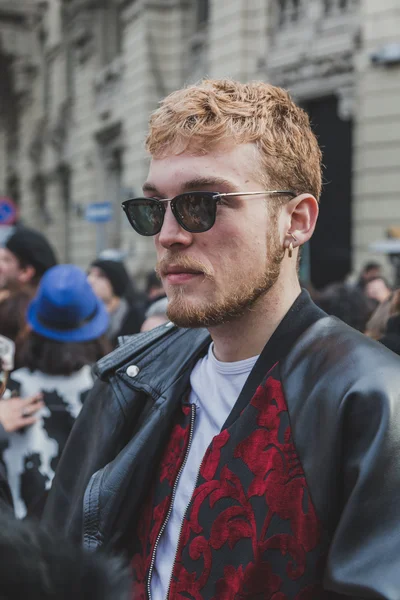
(195, 184)
(202, 182)
(150, 187)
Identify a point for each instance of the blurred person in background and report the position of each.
(156, 315)
(40, 565)
(377, 289)
(25, 257)
(376, 325)
(67, 323)
(154, 288)
(384, 324)
(370, 270)
(111, 283)
(13, 315)
(348, 303)
(391, 337)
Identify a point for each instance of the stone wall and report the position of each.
(376, 183)
(84, 106)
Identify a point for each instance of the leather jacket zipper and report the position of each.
(153, 556)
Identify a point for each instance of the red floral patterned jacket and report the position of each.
(251, 530)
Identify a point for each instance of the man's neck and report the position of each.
(247, 336)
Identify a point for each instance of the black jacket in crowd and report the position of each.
(391, 339)
(39, 565)
(333, 415)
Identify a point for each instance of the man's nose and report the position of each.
(172, 233)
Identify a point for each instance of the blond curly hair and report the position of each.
(201, 116)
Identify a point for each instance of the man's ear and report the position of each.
(302, 214)
(26, 274)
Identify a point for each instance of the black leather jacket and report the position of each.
(343, 396)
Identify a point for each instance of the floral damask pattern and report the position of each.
(175, 452)
(251, 530)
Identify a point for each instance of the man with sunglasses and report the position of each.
(249, 448)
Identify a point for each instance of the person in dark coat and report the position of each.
(111, 283)
(40, 565)
(391, 339)
(391, 335)
(348, 303)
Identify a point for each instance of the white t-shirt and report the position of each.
(215, 387)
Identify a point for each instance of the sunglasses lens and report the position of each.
(196, 211)
(146, 215)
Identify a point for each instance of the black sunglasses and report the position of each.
(194, 211)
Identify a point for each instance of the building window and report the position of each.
(113, 170)
(110, 179)
(64, 178)
(202, 12)
(40, 198)
(64, 182)
(289, 11)
(70, 70)
(13, 187)
(337, 7)
(110, 32)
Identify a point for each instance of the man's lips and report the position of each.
(180, 274)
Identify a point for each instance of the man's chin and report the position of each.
(188, 315)
(191, 314)
(184, 317)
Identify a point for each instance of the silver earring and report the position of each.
(290, 247)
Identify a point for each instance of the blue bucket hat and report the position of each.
(65, 308)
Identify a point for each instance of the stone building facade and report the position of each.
(83, 76)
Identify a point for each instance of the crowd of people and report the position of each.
(62, 321)
(370, 305)
(248, 447)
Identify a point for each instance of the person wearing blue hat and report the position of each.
(67, 326)
(66, 309)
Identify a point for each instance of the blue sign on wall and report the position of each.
(99, 212)
(8, 211)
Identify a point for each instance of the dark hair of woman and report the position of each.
(12, 314)
(61, 358)
(348, 303)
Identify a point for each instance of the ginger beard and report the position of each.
(226, 304)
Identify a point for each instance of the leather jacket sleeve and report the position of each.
(91, 445)
(345, 410)
(364, 556)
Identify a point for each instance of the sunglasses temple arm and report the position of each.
(272, 192)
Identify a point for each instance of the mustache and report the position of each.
(184, 262)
